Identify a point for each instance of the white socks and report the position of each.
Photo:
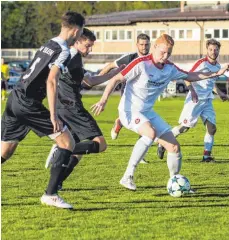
(140, 149)
(174, 163)
(208, 142)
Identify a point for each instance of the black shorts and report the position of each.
(80, 122)
(22, 115)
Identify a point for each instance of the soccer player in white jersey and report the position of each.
(146, 77)
(203, 108)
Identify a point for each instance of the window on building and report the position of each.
(181, 34)
(97, 34)
(162, 32)
(208, 35)
(225, 33)
(147, 32)
(114, 35)
(139, 32)
(108, 35)
(189, 34)
(129, 35)
(172, 33)
(121, 34)
(154, 34)
(216, 33)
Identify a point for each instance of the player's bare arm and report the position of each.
(221, 94)
(192, 90)
(107, 68)
(89, 81)
(52, 83)
(100, 105)
(198, 76)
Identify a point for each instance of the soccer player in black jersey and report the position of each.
(143, 47)
(87, 134)
(24, 109)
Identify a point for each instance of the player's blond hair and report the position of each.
(166, 39)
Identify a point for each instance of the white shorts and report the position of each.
(134, 120)
(192, 111)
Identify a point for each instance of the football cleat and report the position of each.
(143, 161)
(128, 182)
(191, 191)
(51, 156)
(116, 129)
(208, 159)
(160, 151)
(55, 201)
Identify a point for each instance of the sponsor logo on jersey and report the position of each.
(155, 84)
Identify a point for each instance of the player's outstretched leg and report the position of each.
(176, 132)
(51, 156)
(51, 197)
(209, 141)
(116, 129)
(140, 149)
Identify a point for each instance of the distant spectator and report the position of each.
(4, 78)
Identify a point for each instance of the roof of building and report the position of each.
(172, 14)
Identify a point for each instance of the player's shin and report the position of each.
(59, 165)
(174, 162)
(68, 170)
(178, 130)
(139, 151)
(208, 144)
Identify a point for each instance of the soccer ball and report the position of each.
(178, 185)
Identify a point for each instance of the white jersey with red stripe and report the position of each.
(145, 82)
(205, 87)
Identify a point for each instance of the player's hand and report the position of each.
(57, 124)
(223, 97)
(98, 107)
(194, 96)
(223, 70)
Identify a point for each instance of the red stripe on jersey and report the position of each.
(131, 65)
(181, 70)
(197, 64)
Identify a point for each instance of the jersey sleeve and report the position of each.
(178, 73)
(132, 70)
(125, 59)
(61, 60)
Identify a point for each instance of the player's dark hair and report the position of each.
(87, 34)
(143, 36)
(213, 42)
(71, 18)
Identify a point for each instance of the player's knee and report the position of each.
(174, 148)
(102, 143)
(66, 141)
(8, 149)
(211, 128)
(102, 147)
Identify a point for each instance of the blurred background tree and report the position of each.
(29, 24)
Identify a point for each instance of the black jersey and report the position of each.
(33, 82)
(70, 81)
(126, 59)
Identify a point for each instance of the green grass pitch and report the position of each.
(104, 209)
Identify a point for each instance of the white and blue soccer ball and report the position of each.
(178, 185)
